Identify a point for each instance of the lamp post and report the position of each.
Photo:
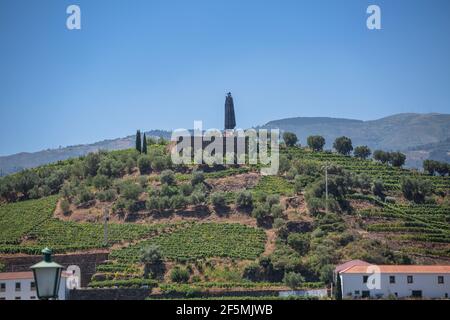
(47, 276)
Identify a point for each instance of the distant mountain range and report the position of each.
(420, 136)
(24, 160)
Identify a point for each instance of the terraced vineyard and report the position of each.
(391, 176)
(427, 223)
(274, 185)
(18, 219)
(28, 226)
(202, 240)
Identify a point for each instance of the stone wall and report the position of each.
(86, 261)
(109, 294)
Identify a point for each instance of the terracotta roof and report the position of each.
(16, 275)
(400, 269)
(349, 264)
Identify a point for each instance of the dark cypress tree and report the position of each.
(138, 141)
(144, 145)
(338, 288)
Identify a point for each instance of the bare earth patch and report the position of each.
(234, 183)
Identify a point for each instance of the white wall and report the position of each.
(25, 292)
(427, 283)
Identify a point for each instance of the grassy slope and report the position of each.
(28, 226)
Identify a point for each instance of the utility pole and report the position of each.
(105, 225)
(326, 188)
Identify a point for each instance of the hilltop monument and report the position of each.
(230, 119)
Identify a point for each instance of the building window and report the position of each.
(2, 287)
(396, 294)
(417, 294)
(365, 278)
(2, 298)
(366, 294)
(17, 286)
(32, 286)
(17, 298)
(410, 279)
(446, 296)
(440, 279)
(356, 292)
(391, 279)
(33, 298)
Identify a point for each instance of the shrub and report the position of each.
(300, 182)
(168, 191)
(326, 273)
(197, 178)
(180, 275)
(316, 143)
(433, 167)
(151, 256)
(314, 205)
(416, 189)
(167, 177)
(130, 191)
(152, 203)
(107, 195)
(343, 145)
(186, 189)
(272, 199)
(178, 202)
(276, 211)
(197, 198)
(284, 164)
(101, 182)
(143, 181)
(381, 156)
(160, 163)
(290, 139)
(378, 189)
(218, 199)
(111, 167)
(144, 164)
(65, 206)
(261, 212)
(91, 163)
(293, 280)
(252, 272)
(362, 152)
(299, 242)
(278, 223)
(244, 199)
(397, 159)
(164, 203)
(84, 195)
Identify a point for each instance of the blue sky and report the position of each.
(163, 64)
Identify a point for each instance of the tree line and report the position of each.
(343, 145)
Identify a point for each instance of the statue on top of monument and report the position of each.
(230, 120)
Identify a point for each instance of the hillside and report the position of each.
(439, 151)
(407, 132)
(25, 160)
(216, 229)
(398, 132)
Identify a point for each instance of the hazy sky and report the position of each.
(163, 64)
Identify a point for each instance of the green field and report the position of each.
(28, 226)
(202, 240)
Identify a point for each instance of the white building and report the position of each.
(21, 286)
(401, 281)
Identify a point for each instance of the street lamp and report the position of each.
(47, 275)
